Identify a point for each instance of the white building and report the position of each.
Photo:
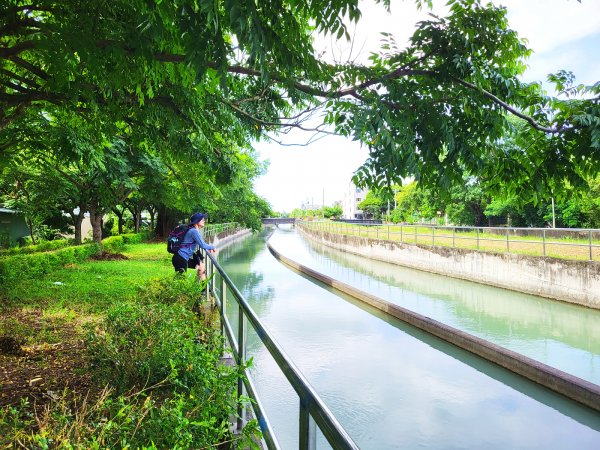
(352, 197)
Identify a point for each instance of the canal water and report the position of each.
(394, 387)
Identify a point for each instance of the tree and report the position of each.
(434, 110)
(334, 211)
(371, 205)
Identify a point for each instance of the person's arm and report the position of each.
(198, 239)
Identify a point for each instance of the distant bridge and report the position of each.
(278, 220)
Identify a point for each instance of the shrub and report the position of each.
(141, 345)
(183, 289)
(43, 246)
(114, 244)
(117, 243)
(158, 345)
(138, 420)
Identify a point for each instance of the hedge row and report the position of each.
(45, 246)
(117, 243)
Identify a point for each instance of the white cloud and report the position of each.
(547, 24)
(307, 174)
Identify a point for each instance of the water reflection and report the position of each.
(389, 385)
(561, 335)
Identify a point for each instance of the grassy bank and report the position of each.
(113, 352)
(491, 240)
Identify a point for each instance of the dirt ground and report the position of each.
(37, 370)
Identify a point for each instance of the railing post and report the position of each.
(433, 236)
(415, 228)
(307, 431)
(544, 240)
(453, 235)
(401, 237)
(590, 242)
(388, 231)
(507, 244)
(242, 361)
(207, 265)
(477, 238)
(223, 303)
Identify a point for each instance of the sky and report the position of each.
(564, 34)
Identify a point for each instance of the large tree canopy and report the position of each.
(190, 79)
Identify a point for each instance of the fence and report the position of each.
(220, 229)
(564, 243)
(312, 411)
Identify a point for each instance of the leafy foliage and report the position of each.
(165, 98)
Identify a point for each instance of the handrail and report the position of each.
(312, 410)
(496, 239)
(211, 230)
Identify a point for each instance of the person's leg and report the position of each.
(196, 262)
(179, 264)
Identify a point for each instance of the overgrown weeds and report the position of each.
(159, 361)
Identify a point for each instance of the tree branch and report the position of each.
(30, 67)
(510, 109)
(10, 52)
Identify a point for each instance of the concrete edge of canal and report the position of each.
(570, 281)
(556, 380)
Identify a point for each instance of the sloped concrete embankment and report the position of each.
(565, 280)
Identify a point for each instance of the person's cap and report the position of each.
(197, 217)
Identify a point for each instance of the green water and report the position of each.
(392, 386)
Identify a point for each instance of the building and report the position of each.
(352, 197)
(12, 227)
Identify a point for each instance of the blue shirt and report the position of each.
(194, 238)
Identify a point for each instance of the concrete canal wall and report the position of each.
(575, 388)
(566, 280)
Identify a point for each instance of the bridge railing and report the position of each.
(313, 412)
(277, 220)
(564, 243)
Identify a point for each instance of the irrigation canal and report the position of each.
(392, 386)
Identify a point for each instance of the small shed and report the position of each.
(12, 227)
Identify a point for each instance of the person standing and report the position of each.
(189, 255)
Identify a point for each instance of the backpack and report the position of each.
(176, 238)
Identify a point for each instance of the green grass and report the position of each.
(92, 286)
(135, 329)
(562, 248)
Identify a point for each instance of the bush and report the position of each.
(143, 345)
(43, 246)
(117, 243)
(158, 345)
(135, 421)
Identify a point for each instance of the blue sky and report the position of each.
(564, 34)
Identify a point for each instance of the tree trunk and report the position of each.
(120, 220)
(96, 219)
(152, 212)
(31, 234)
(77, 220)
(136, 212)
(166, 220)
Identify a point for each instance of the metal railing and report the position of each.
(563, 243)
(313, 412)
(220, 229)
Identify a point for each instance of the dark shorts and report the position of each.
(181, 265)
